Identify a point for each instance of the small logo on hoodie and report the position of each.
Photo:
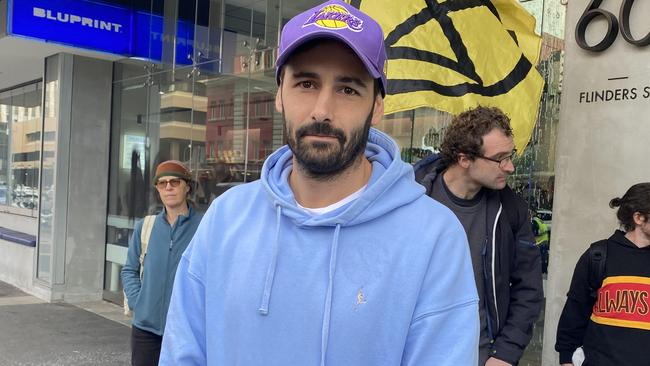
(361, 299)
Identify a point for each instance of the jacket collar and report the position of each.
(619, 238)
(181, 218)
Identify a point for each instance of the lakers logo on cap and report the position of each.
(335, 17)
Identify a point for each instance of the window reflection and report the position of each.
(48, 169)
(214, 111)
(20, 147)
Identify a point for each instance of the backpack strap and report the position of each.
(147, 228)
(597, 260)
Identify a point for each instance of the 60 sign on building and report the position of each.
(593, 12)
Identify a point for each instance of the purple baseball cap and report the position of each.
(336, 19)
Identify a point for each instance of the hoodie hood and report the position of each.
(426, 171)
(389, 173)
(619, 238)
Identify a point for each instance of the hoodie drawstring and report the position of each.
(270, 273)
(325, 331)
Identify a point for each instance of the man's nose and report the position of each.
(509, 167)
(323, 108)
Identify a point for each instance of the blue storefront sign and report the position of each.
(75, 23)
(97, 26)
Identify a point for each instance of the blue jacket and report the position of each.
(149, 299)
(264, 283)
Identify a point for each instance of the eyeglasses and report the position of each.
(162, 184)
(503, 161)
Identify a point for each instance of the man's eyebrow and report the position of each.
(351, 79)
(503, 154)
(305, 75)
(340, 79)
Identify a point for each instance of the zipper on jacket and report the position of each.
(172, 229)
(488, 318)
(494, 286)
(171, 233)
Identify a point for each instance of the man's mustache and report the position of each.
(322, 129)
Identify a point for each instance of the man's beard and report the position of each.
(327, 160)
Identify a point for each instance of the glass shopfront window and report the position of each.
(214, 111)
(20, 147)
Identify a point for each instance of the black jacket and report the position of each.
(615, 330)
(513, 269)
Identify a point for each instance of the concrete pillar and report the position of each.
(3, 18)
(78, 182)
(602, 145)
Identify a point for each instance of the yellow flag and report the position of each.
(453, 55)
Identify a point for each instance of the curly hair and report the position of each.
(636, 199)
(465, 133)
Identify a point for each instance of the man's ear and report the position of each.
(278, 99)
(464, 161)
(639, 218)
(378, 110)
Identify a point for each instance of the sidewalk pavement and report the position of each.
(97, 333)
(33, 332)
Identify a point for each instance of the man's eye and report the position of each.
(306, 84)
(349, 91)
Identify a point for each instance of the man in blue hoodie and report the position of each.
(324, 261)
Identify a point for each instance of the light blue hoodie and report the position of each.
(265, 283)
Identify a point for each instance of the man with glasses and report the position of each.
(155, 248)
(469, 176)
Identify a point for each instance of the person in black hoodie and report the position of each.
(469, 177)
(611, 322)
